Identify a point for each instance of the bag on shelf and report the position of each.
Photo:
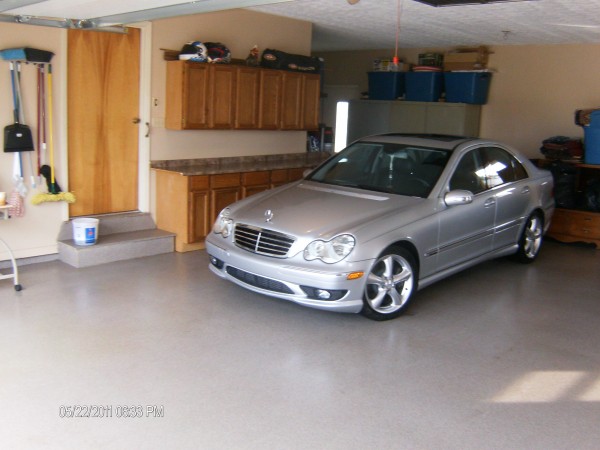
(276, 59)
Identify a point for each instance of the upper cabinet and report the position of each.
(214, 96)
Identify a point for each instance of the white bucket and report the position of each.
(85, 230)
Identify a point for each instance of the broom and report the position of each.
(54, 192)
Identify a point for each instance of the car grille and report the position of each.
(257, 281)
(262, 241)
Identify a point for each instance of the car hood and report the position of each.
(319, 210)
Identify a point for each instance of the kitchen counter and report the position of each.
(214, 166)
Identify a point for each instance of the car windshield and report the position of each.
(385, 167)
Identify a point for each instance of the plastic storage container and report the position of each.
(85, 230)
(424, 86)
(467, 87)
(591, 139)
(386, 85)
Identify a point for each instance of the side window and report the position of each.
(468, 174)
(500, 167)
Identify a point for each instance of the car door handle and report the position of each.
(489, 202)
(525, 190)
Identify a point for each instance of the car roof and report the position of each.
(441, 141)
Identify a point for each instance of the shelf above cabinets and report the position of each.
(215, 96)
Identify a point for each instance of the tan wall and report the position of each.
(534, 92)
(35, 233)
(239, 30)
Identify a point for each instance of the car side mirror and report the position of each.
(458, 197)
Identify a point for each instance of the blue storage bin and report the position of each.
(591, 139)
(424, 86)
(386, 85)
(467, 87)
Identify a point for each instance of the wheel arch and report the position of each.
(410, 247)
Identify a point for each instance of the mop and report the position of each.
(54, 192)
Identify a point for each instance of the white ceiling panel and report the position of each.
(367, 24)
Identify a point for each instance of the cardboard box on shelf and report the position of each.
(387, 65)
(466, 59)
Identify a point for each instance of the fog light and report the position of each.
(215, 262)
(323, 294)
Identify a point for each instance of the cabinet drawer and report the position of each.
(585, 225)
(225, 180)
(255, 178)
(279, 176)
(296, 173)
(199, 183)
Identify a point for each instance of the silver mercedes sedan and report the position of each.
(383, 218)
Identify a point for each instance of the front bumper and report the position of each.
(288, 279)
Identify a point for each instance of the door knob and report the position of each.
(136, 120)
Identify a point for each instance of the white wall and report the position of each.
(35, 233)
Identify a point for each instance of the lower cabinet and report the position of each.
(188, 205)
(575, 226)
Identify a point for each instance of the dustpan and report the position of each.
(17, 138)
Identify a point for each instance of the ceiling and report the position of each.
(368, 24)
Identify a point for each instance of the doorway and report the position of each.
(103, 120)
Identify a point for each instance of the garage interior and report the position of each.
(165, 355)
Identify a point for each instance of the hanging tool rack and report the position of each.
(19, 136)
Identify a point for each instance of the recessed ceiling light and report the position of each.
(465, 2)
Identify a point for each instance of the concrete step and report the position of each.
(120, 236)
(116, 247)
(113, 223)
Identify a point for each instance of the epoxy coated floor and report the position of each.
(502, 356)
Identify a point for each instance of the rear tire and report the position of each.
(390, 284)
(531, 239)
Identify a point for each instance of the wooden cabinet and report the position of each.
(224, 190)
(201, 96)
(247, 98)
(222, 91)
(570, 225)
(255, 182)
(312, 102)
(291, 101)
(187, 96)
(269, 100)
(575, 226)
(189, 205)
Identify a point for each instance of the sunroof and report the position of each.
(465, 2)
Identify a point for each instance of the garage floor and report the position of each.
(502, 356)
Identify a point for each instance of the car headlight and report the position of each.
(331, 251)
(224, 224)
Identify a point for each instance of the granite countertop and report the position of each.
(213, 166)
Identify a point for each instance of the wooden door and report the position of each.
(103, 109)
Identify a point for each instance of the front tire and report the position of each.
(390, 284)
(531, 239)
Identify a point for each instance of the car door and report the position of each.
(508, 180)
(466, 231)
